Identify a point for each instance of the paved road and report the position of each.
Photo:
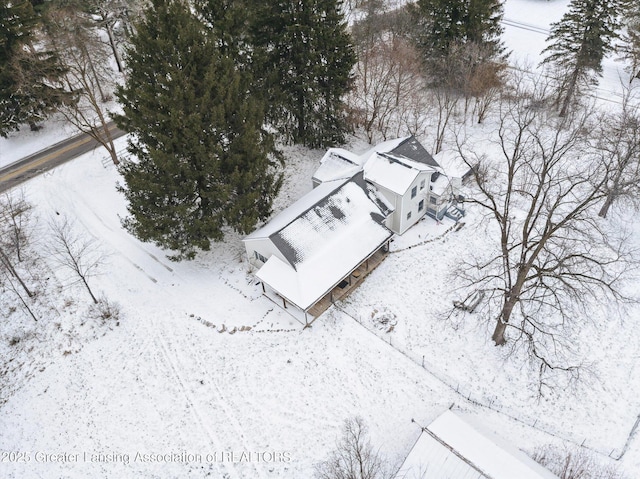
(49, 158)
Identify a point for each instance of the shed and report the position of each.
(450, 447)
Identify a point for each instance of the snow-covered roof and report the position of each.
(452, 164)
(450, 447)
(412, 149)
(326, 242)
(392, 172)
(393, 164)
(293, 211)
(439, 186)
(338, 163)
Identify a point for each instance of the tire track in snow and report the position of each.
(74, 206)
(105, 239)
(213, 439)
(101, 220)
(229, 415)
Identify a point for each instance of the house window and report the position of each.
(433, 200)
(422, 185)
(409, 215)
(259, 257)
(414, 191)
(421, 205)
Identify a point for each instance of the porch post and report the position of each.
(262, 283)
(284, 303)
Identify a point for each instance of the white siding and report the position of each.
(409, 204)
(264, 247)
(393, 221)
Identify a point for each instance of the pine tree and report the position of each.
(631, 38)
(203, 162)
(305, 56)
(26, 73)
(443, 24)
(579, 42)
(228, 21)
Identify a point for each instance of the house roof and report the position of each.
(325, 241)
(411, 148)
(439, 185)
(450, 447)
(295, 210)
(392, 172)
(338, 163)
(452, 164)
(392, 164)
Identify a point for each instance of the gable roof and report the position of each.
(293, 211)
(338, 163)
(394, 173)
(392, 164)
(325, 241)
(450, 447)
(412, 149)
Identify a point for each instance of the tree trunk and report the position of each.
(114, 48)
(26, 306)
(498, 333)
(7, 262)
(301, 122)
(570, 90)
(89, 289)
(510, 302)
(95, 74)
(607, 204)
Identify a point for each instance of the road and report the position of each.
(51, 157)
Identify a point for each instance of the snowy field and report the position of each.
(204, 371)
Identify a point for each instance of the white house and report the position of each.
(450, 447)
(321, 244)
(403, 171)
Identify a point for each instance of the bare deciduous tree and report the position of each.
(15, 233)
(619, 143)
(575, 464)
(540, 195)
(88, 74)
(75, 252)
(354, 456)
(15, 216)
(445, 98)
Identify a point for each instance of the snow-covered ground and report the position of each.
(206, 372)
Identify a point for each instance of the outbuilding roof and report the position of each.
(451, 447)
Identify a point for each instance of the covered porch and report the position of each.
(348, 284)
(339, 291)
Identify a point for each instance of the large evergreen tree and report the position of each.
(202, 162)
(305, 56)
(631, 38)
(579, 42)
(445, 24)
(26, 72)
